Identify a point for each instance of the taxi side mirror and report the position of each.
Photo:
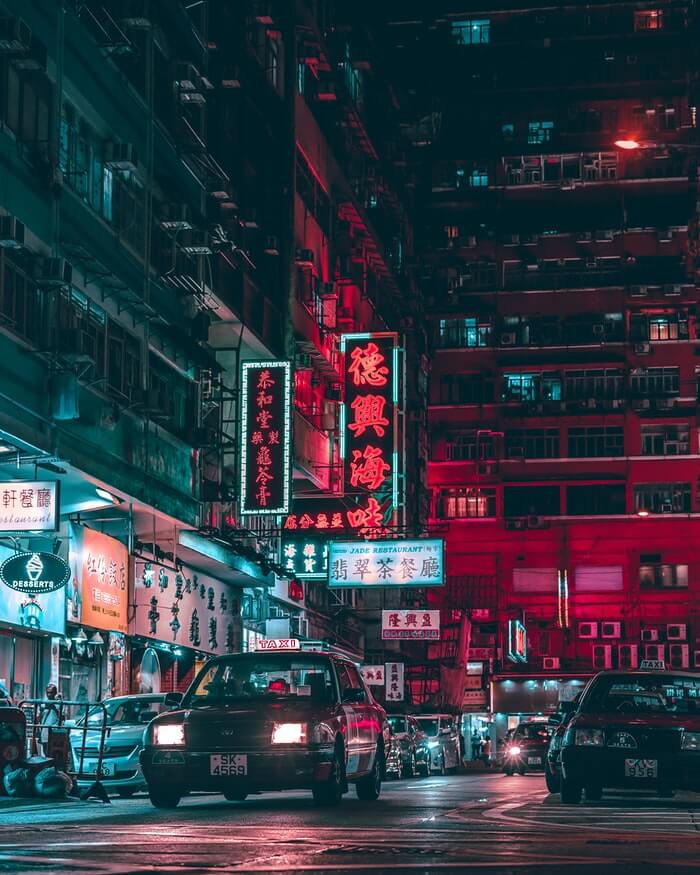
(353, 695)
(172, 700)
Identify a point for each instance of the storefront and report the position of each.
(476, 723)
(27, 624)
(93, 663)
(181, 617)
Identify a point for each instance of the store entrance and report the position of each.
(21, 665)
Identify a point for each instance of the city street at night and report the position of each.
(477, 823)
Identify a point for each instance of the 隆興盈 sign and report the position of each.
(266, 393)
(29, 506)
(386, 563)
(35, 573)
(415, 625)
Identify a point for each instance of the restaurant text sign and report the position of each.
(386, 563)
(29, 506)
(266, 392)
(416, 625)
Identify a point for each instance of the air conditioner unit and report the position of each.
(299, 626)
(678, 655)
(642, 348)
(664, 403)
(676, 632)
(121, 156)
(655, 652)
(584, 237)
(602, 656)
(665, 235)
(11, 233)
(641, 404)
(484, 469)
(52, 272)
(550, 662)
(648, 635)
(591, 261)
(470, 241)
(511, 240)
(627, 656)
(15, 36)
(508, 339)
(516, 525)
(672, 291)
(587, 630)
(304, 256)
(696, 659)
(610, 630)
(599, 328)
(617, 403)
(605, 234)
(536, 522)
(639, 291)
(666, 507)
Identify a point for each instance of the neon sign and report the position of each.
(517, 641)
(306, 558)
(266, 389)
(381, 564)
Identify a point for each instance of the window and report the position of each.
(21, 302)
(465, 389)
(508, 131)
(663, 576)
(535, 580)
(598, 383)
(655, 381)
(532, 443)
(479, 178)
(648, 19)
(599, 578)
(666, 326)
(532, 387)
(272, 62)
(470, 502)
(602, 499)
(471, 31)
(662, 497)
(597, 441)
(520, 501)
(665, 440)
(301, 77)
(468, 332)
(539, 132)
(470, 446)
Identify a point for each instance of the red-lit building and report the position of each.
(559, 274)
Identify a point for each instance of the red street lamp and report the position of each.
(628, 145)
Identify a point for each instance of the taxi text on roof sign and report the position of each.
(277, 644)
(653, 664)
(386, 563)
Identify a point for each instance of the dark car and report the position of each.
(633, 729)
(415, 755)
(526, 749)
(269, 721)
(552, 764)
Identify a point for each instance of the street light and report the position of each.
(628, 145)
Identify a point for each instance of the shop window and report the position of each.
(539, 132)
(594, 441)
(603, 499)
(471, 31)
(663, 576)
(522, 501)
(467, 503)
(662, 498)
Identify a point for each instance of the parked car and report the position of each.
(270, 721)
(415, 755)
(394, 758)
(127, 717)
(526, 749)
(633, 729)
(552, 763)
(442, 741)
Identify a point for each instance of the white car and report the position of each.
(443, 741)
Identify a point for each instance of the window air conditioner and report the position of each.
(11, 233)
(678, 655)
(516, 525)
(642, 348)
(587, 630)
(627, 656)
(508, 339)
(639, 291)
(15, 36)
(602, 656)
(655, 652)
(696, 659)
(666, 507)
(550, 662)
(599, 328)
(676, 632)
(52, 272)
(648, 635)
(610, 630)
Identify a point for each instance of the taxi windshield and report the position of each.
(644, 694)
(429, 725)
(261, 676)
(398, 724)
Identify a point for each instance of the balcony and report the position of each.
(312, 453)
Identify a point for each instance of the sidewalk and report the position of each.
(10, 803)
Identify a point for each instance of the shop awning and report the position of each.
(217, 558)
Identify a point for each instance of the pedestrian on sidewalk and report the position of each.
(50, 714)
(486, 752)
(476, 745)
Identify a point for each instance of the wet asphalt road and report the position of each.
(462, 823)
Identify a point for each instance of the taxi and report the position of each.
(284, 717)
(633, 729)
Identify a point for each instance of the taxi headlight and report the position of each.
(589, 738)
(514, 751)
(690, 741)
(289, 733)
(167, 734)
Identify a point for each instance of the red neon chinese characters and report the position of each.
(263, 459)
(366, 517)
(366, 366)
(368, 468)
(369, 413)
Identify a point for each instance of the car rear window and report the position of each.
(257, 677)
(398, 724)
(643, 694)
(531, 731)
(428, 725)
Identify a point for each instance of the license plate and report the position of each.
(90, 768)
(534, 761)
(168, 758)
(641, 768)
(228, 764)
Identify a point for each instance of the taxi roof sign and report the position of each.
(653, 664)
(277, 644)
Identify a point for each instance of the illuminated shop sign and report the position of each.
(306, 558)
(373, 675)
(43, 610)
(333, 518)
(414, 625)
(266, 391)
(371, 445)
(99, 592)
(380, 564)
(29, 506)
(393, 690)
(517, 641)
(35, 572)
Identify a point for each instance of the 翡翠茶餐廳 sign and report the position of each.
(379, 564)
